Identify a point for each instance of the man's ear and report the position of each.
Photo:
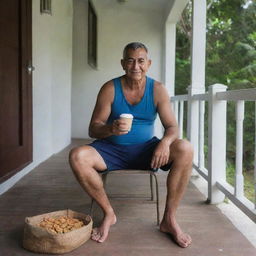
(149, 62)
(122, 63)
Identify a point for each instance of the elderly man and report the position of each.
(118, 148)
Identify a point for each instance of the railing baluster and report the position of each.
(181, 114)
(176, 109)
(173, 106)
(201, 134)
(239, 178)
(255, 159)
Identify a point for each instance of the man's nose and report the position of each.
(135, 64)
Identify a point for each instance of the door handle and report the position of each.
(30, 68)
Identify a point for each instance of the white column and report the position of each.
(193, 121)
(217, 110)
(197, 70)
(170, 47)
(198, 45)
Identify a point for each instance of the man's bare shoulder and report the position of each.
(160, 91)
(108, 87)
(107, 91)
(159, 87)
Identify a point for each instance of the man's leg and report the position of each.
(85, 161)
(181, 154)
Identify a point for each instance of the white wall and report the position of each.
(61, 73)
(117, 25)
(52, 58)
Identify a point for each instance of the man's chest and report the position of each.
(133, 96)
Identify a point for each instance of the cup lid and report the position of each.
(125, 115)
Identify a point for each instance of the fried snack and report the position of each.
(60, 224)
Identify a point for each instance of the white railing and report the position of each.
(215, 172)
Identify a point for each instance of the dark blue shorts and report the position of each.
(119, 157)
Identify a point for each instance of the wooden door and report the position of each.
(15, 86)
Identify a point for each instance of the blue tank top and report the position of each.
(144, 114)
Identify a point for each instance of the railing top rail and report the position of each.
(180, 97)
(235, 95)
(202, 96)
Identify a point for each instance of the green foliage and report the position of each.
(248, 180)
(231, 52)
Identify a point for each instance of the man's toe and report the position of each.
(187, 241)
(95, 234)
(102, 238)
(184, 241)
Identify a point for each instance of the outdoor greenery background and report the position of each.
(230, 60)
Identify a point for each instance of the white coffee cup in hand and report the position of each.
(127, 118)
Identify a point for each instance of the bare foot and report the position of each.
(100, 233)
(182, 239)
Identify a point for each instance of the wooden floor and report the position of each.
(51, 186)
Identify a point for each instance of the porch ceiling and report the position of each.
(152, 5)
(169, 10)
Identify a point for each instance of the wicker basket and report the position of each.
(40, 240)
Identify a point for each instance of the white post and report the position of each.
(193, 121)
(201, 134)
(198, 45)
(197, 71)
(255, 160)
(181, 114)
(239, 178)
(216, 143)
(170, 47)
(176, 110)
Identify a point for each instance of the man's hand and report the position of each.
(119, 127)
(161, 155)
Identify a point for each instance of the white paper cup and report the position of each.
(128, 119)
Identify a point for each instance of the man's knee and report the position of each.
(183, 148)
(79, 155)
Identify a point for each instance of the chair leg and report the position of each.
(104, 179)
(157, 199)
(151, 188)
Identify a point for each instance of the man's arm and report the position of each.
(168, 120)
(98, 127)
(166, 114)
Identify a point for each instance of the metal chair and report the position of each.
(132, 172)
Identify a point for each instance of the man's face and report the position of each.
(136, 64)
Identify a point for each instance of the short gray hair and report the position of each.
(134, 46)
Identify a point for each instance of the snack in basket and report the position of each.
(60, 224)
(51, 232)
